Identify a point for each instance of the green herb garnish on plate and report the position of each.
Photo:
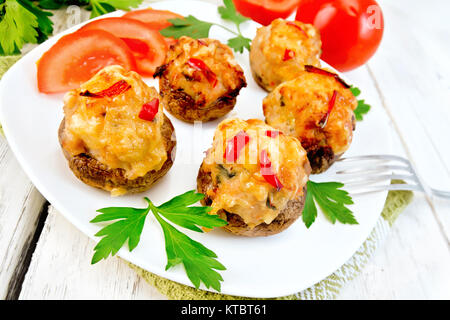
(331, 199)
(362, 108)
(199, 262)
(192, 27)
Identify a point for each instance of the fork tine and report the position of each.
(358, 180)
(374, 169)
(373, 189)
(371, 168)
(378, 157)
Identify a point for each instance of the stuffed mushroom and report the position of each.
(254, 177)
(316, 108)
(279, 52)
(114, 133)
(200, 79)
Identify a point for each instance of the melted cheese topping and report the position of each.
(268, 49)
(109, 129)
(239, 187)
(218, 58)
(296, 107)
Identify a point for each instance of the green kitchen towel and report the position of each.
(325, 289)
(328, 288)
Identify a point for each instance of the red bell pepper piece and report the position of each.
(149, 110)
(199, 65)
(273, 133)
(313, 69)
(331, 103)
(267, 171)
(290, 23)
(116, 89)
(235, 145)
(288, 55)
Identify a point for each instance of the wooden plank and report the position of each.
(61, 269)
(405, 255)
(20, 207)
(404, 266)
(412, 74)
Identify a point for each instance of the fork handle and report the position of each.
(441, 193)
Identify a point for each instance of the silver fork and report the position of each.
(373, 173)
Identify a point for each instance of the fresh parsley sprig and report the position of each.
(331, 199)
(25, 21)
(199, 262)
(22, 22)
(362, 107)
(195, 28)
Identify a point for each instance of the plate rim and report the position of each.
(60, 207)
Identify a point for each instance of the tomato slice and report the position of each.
(155, 19)
(147, 45)
(264, 11)
(76, 57)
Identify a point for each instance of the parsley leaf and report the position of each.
(362, 108)
(239, 43)
(17, 27)
(45, 25)
(189, 26)
(199, 262)
(128, 227)
(177, 211)
(228, 12)
(355, 90)
(331, 199)
(105, 6)
(192, 27)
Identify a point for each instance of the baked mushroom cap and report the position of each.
(254, 177)
(199, 80)
(115, 134)
(236, 224)
(280, 50)
(317, 109)
(98, 175)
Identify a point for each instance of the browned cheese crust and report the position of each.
(236, 225)
(298, 108)
(98, 175)
(280, 50)
(186, 92)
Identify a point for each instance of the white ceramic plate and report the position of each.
(256, 267)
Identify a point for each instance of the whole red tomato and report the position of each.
(264, 11)
(351, 30)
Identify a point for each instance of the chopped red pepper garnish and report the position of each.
(201, 66)
(288, 55)
(116, 89)
(331, 103)
(313, 69)
(235, 145)
(273, 133)
(203, 43)
(290, 23)
(149, 110)
(267, 171)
